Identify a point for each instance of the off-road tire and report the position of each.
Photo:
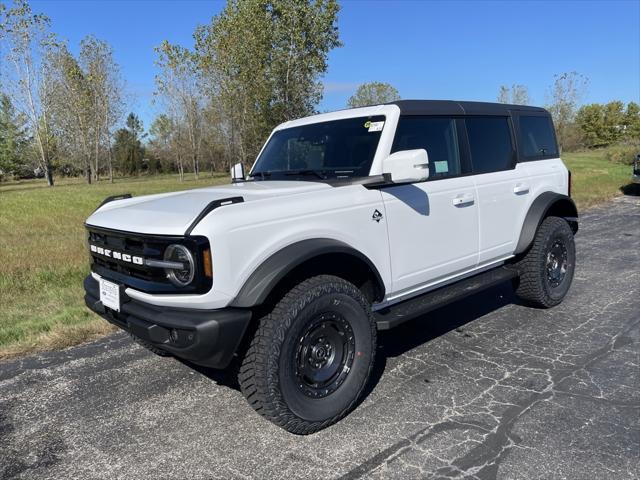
(149, 346)
(268, 373)
(534, 286)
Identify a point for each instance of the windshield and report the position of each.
(336, 149)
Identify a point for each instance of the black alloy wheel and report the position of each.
(325, 355)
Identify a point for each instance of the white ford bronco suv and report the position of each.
(349, 222)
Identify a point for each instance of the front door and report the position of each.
(432, 225)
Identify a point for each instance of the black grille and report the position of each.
(143, 277)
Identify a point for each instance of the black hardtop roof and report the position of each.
(453, 107)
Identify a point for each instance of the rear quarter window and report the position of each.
(537, 139)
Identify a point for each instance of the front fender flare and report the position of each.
(264, 279)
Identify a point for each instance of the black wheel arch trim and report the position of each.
(538, 212)
(266, 277)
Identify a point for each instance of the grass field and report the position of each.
(43, 259)
(595, 180)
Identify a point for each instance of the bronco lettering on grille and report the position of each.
(124, 257)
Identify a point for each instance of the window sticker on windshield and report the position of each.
(441, 167)
(374, 126)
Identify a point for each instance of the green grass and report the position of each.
(595, 180)
(43, 258)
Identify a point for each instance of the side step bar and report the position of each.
(399, 313)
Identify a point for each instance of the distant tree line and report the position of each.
(58, 110)
(255, 65)
(584, 126)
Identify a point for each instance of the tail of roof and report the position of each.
(454, 107)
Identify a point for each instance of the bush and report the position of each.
(623, 154)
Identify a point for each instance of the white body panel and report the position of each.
(503, 198)
(431, 232)
(430, 236)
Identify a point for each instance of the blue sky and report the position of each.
(428, 49)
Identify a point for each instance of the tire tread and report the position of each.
(258, 374)
(531, 288)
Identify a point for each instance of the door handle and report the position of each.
(463, 199)
(521, 188)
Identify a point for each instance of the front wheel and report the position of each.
(546, 271)
(311, 357)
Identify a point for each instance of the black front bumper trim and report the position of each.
(205, 337)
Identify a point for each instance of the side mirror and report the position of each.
(237, 173)
(407, 166)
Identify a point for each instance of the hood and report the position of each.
(172, 213)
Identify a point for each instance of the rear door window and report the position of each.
(537, 139)
(490, 144)
(438, 136)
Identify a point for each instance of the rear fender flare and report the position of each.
(548, 203)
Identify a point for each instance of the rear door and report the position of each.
(502, 185)
(432, 225)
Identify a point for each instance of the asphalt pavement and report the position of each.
(485, 388)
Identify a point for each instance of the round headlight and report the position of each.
(179, 253)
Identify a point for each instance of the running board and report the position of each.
(399, 313)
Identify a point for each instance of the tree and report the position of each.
(373, 93)
(603, 125)
(165, 143)
(27, 41)
(72, 111)
(590, 121)
(632, 121)
(105, 86)
(565, 95)
(262, 61)
(614, 121)
(86, 101)
(180, 88)
(516, 95)
(128, 148)
(13, 137)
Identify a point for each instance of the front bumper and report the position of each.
(206, 337)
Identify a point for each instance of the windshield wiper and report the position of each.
(317, 173)
(262, 175)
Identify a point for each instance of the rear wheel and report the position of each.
(311, 357)
(546, 271)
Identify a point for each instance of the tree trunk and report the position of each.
(196, 167)
(110, 165)
(48, 174)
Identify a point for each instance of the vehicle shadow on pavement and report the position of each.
(632, 189)
(425, 328)
(396, 342)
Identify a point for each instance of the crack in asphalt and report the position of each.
(482, 389)
(498, 440)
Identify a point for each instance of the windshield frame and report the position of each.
(390, 113)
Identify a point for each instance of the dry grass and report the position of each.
(43, 259)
